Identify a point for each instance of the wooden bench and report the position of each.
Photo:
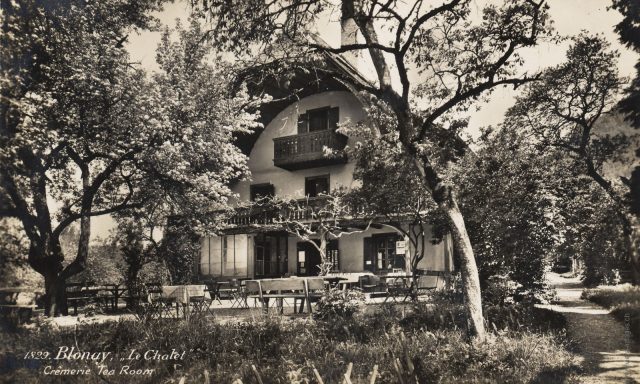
(303, 289)
(17, 304)
(80, 294)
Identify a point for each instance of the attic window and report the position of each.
(319, 119)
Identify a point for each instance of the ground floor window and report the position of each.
(224, 256)
(380, 253)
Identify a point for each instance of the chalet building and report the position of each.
(286, 159)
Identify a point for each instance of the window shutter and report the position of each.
(303, 122)
(333, 117)
(368, 254)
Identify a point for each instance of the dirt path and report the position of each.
(599, 338)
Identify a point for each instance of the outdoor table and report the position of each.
(110, 293)
(181, 296)
(333, 280)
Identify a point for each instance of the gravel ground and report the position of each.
(609, 355)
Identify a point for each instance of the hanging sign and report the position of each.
(400, 247)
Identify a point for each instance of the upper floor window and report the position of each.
(258, 191)
(313, 186)
(318, 119)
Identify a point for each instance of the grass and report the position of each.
(424, 342)
(623, 301)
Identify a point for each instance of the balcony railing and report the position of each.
(306, 150)
(269, 215)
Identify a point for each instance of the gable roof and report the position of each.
(316, 76)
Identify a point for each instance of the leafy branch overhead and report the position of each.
(86, 128)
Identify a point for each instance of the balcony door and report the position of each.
(320, 119)
(316, 185)
(309, 258)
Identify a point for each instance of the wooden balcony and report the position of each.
(306, 150)
(269, 215)
(266, 215)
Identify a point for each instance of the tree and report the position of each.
(629, 31)
(134, 237)
(83, 127)
(507, 197)
(458, 60)
(14, 268)
(562, 110)
(630, 105)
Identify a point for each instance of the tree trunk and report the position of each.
(443, 195)
(325, 265)
(55, 300)
(470, 277)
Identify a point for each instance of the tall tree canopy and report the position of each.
(562, 111)
(458, 57)
(629, 30)
(85, 133)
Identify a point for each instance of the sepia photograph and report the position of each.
(320, 191)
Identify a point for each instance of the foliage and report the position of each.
(562, 111)
(339, 303)
(86, 128)
(281, 348)
(508, 208)
(14, 268)
(105, 264)
(630, 35)
(178, 250)
(588, 221)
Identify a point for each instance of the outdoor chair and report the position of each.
(397, 289)
(238, 295)
(212, 288)
(201, 304)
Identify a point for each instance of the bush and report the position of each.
(339, 303)
(623, 301)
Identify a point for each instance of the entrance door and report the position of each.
(308, 260)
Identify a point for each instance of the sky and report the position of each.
(570, 18)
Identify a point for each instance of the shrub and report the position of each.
(339, 303)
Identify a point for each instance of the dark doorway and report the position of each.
(308, 260)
